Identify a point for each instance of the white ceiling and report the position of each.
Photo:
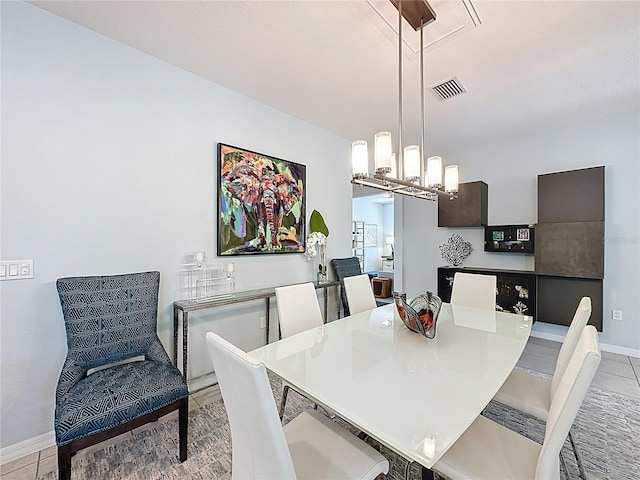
(335, 63)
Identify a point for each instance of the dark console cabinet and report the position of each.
(546, 298)
(516, 289)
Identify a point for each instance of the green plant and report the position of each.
(317, 224)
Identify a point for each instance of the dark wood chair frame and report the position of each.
(65, 452)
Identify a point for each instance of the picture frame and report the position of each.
(371, 235)
(498, 235)
(522, 234)
(260, 203)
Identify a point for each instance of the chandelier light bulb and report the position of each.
(434, 172)
(451, 179)
(412, 163)
(382, 152)
(359, 159)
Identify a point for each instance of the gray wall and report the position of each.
(108, 159)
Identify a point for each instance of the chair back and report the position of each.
(474, 290)
(359, 294)
(566, 402)
(580, 319)
(298, 309)
(342, 268)
(259, 446)
(110, 318)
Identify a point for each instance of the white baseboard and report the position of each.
(22, 449)
(631, 352)
(203, 381)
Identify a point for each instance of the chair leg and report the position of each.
(564, 466)
(407, 469)
(578, 461)
(183, 425)
(64, 463)
(283, 400)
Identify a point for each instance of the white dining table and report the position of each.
(412, 394)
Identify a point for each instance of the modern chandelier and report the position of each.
(405, 174)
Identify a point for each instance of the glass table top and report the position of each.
(415, 395)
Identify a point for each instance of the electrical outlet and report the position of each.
(263, 322)
(616, 315)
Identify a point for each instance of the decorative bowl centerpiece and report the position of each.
(420, 313)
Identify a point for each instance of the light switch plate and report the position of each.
(16, 269)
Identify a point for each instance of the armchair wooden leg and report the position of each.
(183, 424)
(64, 463)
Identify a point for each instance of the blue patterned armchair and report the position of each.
(117, 375)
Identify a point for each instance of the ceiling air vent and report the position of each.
(448, 88)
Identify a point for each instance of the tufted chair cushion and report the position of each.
(110, 319)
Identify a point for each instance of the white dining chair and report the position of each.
(359, 294)
(474, 290)
(298, 311)
(489, 450)
(310, 446)
(531, 394)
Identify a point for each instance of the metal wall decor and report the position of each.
(456, 250)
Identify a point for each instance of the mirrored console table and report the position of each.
(186, 306)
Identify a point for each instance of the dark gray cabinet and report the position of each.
(569, 250)
(546, 298)
(572, 196)
(470, 209)
(573, 249)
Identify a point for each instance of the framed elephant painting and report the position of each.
(261, 203)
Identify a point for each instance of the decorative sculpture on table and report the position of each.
(317, 243)
(456, 250)
(419, 314)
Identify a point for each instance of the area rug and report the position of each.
(607, 431)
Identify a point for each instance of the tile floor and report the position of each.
(617, 373)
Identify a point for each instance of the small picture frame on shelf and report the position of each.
(523, 235)
(498, 236)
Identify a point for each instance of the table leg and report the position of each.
(326, 301)
(185, 336)
(339, 300)
(267, 323)
(427, 474)
(175, 336)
